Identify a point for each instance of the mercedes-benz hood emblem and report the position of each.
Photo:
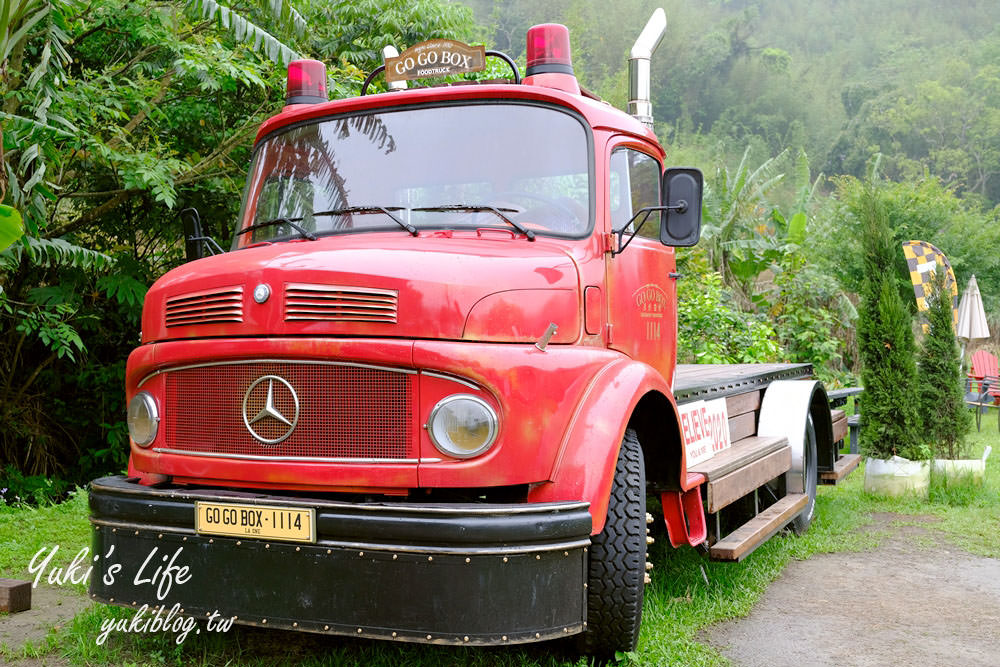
(276, 419)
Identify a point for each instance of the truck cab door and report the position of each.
(642, 294)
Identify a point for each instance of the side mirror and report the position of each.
(195, 241)
(191, 221)
(680, 223)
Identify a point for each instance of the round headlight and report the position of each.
(462, 426)
(143, 419)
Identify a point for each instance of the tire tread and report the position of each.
(618, 559)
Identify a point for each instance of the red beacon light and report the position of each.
(549, 61)
(306, 82)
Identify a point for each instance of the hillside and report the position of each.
(840, 79)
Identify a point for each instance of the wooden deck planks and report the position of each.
(740, 454)
(739, 404)
(730, 488)
(844, 466)
(839, 426)
(742, 426)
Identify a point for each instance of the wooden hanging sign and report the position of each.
(435, 57)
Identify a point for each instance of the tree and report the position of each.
(923, 209)
(736, 217)
(942, 403)
(115, 115)
(889, 418)
(934, 111)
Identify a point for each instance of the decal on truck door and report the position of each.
(652, 303)
(705, 425)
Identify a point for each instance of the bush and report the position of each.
(711, 330)
(18, 489)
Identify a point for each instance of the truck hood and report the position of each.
(478, 287)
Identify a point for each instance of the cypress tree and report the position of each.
(942, 403)
(889, 414)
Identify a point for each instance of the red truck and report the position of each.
(426, 394)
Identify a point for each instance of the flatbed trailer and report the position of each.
(754, 459)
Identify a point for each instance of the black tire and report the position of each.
(615, 584)
(800, 524)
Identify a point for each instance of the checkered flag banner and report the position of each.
(923, 260)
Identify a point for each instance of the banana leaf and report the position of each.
(11, 226)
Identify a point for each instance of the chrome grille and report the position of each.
(223, 304)
(334, 303)
(345, 410)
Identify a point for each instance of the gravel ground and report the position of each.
(51, 606)
(915, 600)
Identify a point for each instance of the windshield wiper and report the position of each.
(473, 208)
(372, 209)
(279, 221)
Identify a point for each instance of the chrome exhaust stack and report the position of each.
(639, 78)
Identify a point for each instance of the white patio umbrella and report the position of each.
(971, 316)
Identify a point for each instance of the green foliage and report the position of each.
(942, 403)
(889, 417)
(956, 490)
(921, 209)
(735, 223)
(29, 85)
(245, 31)
(52, 253)
(115, 115)
(937, 110)
(711, 330)
(11, 226)
(19, 489)
(358, 29)
(810, 314)
(52, 328)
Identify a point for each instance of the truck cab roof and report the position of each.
(598, 114)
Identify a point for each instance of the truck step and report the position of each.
(742, 453)
(741, 542)
(844, 466)
(729, 488)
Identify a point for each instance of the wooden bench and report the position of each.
(843, 425)
(838, 398)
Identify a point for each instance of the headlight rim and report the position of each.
(149, 401)
(494, 421)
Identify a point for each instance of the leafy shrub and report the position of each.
(713, 331)
(17, 488)
(809, 310)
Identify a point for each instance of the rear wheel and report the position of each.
(801, 523)
(618, 560)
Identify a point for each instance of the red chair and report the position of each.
(984, 365)
(983, 384)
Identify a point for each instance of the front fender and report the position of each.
(585, 465)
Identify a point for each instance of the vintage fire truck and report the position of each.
(426, 394)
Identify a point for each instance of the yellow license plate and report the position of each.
(265, 522)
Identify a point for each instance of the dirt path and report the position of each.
(915, 600)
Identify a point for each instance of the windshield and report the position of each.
(485, 165)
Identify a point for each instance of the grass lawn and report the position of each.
(688, 592)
